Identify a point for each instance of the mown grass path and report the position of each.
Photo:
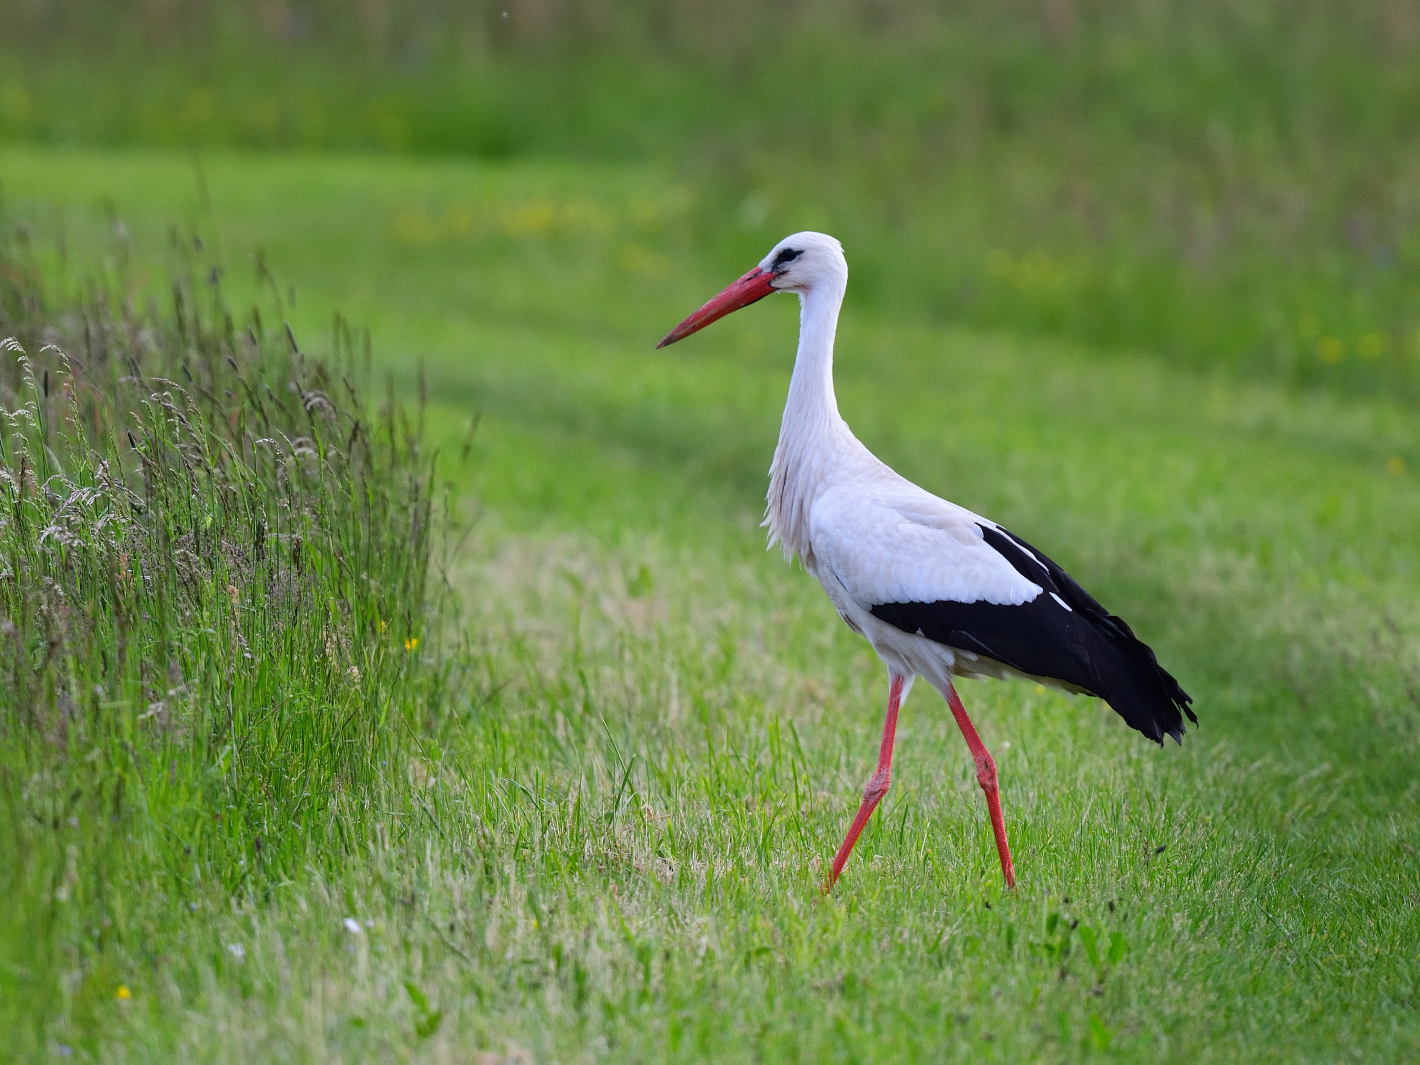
(611, 850)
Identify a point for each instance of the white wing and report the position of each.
(896, 543)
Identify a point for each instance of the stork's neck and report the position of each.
(812, 406)
(813, 438)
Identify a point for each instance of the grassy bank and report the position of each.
(216, 586)
(600, 839)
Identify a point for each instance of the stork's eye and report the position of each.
(785, 256)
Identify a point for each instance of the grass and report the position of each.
(1227, 183)
(602, 840)
(206, 589)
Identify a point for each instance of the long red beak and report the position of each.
(751, 288)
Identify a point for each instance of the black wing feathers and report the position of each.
(1083, 647)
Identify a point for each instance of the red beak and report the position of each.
(751, 288)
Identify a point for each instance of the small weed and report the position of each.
(427, 1020)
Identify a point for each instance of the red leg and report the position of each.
(986, 777)
(877, 786)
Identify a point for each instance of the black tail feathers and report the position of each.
(1128, 677)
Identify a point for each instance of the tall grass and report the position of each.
(218, 626)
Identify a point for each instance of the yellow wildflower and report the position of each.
(1331, 349)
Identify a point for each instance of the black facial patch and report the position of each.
(785, 257)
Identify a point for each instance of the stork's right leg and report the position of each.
(986, 777)
(877, 785)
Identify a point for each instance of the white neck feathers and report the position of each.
(813, 438)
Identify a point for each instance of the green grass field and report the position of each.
(607, 847)
(1229, 182)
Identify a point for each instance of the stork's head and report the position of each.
(800, 263)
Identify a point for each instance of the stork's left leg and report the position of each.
(986, 777)
(877, 785)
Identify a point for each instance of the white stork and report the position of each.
(937, 590)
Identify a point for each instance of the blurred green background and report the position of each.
(1232, 184)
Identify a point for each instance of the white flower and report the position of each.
(353, 927)
(237, 951)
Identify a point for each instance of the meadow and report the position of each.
(602, 838)
(1230, 184)
(391, 665)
